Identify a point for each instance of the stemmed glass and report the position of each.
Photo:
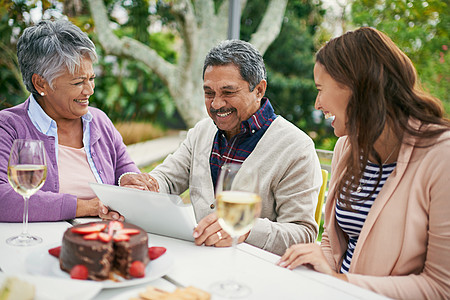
(238, 206)
(27, 171)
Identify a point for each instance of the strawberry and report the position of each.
(104, 237)
(155, 252)
(128, 231)
(137, 269)
(89, 229)
(91, 236)
(55, 251)
(79, 272)
(114, 226)
(121, 237)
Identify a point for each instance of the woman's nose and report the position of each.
(89, 88)
(317, 104)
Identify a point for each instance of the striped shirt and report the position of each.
(239, 147)
(352, 220)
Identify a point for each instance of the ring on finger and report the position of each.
(219, 234)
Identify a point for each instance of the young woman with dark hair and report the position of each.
(387, 225)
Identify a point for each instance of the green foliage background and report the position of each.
(12, 90)
(127, 90)
(421, 29)
(290, 62)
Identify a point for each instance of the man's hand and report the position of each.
(210, 233)
(141, 181)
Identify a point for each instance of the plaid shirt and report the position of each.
(241, 145)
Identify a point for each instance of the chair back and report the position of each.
(325, 157)
(321, 200)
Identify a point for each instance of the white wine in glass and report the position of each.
(27, 171)
(238, 206)
(237, 211)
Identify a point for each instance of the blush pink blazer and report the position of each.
(404, 247)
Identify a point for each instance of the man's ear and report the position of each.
(40, 84)
(261, 89)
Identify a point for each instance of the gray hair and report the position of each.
(49, 48)
(243, 55)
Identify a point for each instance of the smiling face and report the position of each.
(332, 99)
(228, 99)
(69, 98)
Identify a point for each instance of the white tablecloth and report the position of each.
(199, 266)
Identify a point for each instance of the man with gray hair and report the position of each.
(244, 129)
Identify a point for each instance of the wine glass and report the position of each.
(27, 171)
(238, 206)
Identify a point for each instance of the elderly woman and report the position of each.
(387, 225)
(82, 144)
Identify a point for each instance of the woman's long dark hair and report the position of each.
(384, 89)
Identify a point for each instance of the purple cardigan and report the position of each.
(108, 153)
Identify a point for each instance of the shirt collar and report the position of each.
(87, 117)
(263, 115)
(42, 121)
(39, 118)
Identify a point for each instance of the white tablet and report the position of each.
(157, 213)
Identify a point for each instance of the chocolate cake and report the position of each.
(104, 247)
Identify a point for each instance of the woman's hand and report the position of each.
(94, 208)
(310, 255)
(106, 214)
(87, 208)
(210, 233)
(141, 181)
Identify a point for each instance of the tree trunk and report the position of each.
(200, 29)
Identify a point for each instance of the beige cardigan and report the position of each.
(403, 250)
(290, 178)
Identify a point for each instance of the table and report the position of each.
(200, 266)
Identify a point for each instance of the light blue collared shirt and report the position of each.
(48, 126)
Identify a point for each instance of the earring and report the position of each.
(42, 94)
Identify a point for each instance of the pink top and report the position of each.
(74, 172)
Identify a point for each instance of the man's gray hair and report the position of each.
(50, 48)
(243, 55)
